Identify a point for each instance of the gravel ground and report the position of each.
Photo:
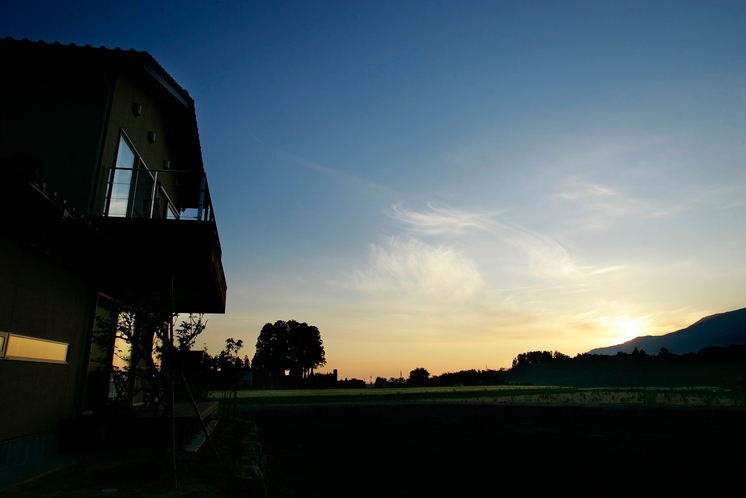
(116, 475)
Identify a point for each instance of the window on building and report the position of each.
(120, 186)
(3, 342)
(18, 347)
(131, 371)
(99, 358)
(134, 191)
(130, 185)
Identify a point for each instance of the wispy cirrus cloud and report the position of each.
(332, 173)
(586, 191)
(412, 266)
(545, 256)
(442, 221)
(599, 207)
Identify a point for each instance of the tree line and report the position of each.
(289, 352)
(707, 367)
(283, 346)
(725, 367)
(420, 377)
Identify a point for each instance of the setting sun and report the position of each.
(625, 329)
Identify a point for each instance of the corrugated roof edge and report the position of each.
(146, 57)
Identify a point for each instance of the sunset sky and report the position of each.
(449, 184)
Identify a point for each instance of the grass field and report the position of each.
(693, 396)
(485, 449)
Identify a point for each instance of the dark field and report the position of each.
(407, 449)
(469, 450)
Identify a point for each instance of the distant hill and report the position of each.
(722, 330)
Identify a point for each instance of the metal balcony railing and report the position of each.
(158, 193)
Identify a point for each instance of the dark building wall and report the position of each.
(57, 116)
(137, 128)
(69, 118)
(43, 299)
(65, 107)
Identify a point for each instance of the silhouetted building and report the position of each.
(245, 379)
(105, 207)
(324, 381)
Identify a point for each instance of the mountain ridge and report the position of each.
(719, 329)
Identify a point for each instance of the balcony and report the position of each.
(157, 194)
(163, 239)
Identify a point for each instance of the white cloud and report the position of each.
(546, 257)
(589, 206)
(579, 190)
(597, 206)
(608, 269)
(442, 221)
(409, 265)
(599, 191)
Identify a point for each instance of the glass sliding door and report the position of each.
(121, 182)
(131, 185)
(142, 193)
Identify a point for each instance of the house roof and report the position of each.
(131, 58)
(139, 65)
(50, 76)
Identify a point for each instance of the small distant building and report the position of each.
(245, 379)
(325, 381)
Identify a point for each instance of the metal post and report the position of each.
(152, 194)
(132, 194)
(199, 415)
(109, 189)
(201, 204)
(172, 372)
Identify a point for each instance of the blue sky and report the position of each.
(448, 184)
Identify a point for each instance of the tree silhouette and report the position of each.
(288, 346)
(228, 360)
(535, 357)
(187, 333)
(418, 377)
